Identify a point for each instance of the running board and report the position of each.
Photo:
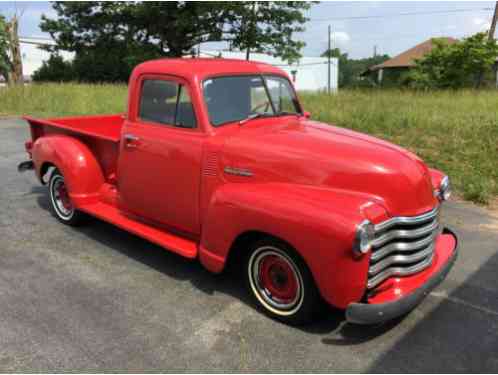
(164, 239)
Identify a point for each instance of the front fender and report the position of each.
(436, 177)
(319, 223)
(82, 172)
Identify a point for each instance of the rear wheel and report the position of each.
(281, 283)
(60, 202)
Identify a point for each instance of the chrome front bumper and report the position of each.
(365, 313)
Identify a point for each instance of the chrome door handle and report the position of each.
(130, 140)
(131, 137)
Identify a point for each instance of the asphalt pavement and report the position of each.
(97, 298)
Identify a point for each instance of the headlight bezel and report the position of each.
(444, 191)
(364, 236)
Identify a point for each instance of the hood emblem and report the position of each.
(238, 171)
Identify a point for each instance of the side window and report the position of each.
(158, 101)
(185, 116)
(282, 95)
(166, 102)
(259, 98)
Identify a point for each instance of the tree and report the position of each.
(112, 37)
(179, 26)
(55, 69)
(350, 70)
(334, 52)
(16, 71)
(345, 72)
(455, 65)
(5, 61)
(267, 27)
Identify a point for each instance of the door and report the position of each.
(160, 156)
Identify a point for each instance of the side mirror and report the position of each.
(307, 114)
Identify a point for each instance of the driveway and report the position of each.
(99, 299)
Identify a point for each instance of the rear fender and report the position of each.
(82, 172)
(319, 223)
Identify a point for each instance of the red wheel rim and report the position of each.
(64, 196)
(278, 278)
(60, 198)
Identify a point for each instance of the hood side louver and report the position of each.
(210, 167)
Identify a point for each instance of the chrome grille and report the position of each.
(403, 246)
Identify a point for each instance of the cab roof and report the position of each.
(201, 68)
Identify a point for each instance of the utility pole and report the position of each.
(492, 29)
(16, 75)
(375, 50)
(491, 36)
(328, 59)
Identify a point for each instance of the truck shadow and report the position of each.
(459, 335)
(331, 322)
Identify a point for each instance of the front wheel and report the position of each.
(60, 202)
(281, 283)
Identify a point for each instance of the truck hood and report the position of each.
(300, 151)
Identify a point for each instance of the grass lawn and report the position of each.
(50, 100)
(455, 131)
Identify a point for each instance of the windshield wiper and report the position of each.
(287, 113)
(253, 116)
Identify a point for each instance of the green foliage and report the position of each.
(350, 70)
(55, 69)
(457, 65)
(110, 38)
(107, 39)
(5, 62)
(267, 27)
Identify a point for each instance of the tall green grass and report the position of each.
(455, 131)
(48, 100)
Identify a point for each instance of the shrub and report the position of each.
(457, 65)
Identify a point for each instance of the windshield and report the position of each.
(236, 98)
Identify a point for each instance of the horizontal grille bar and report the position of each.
(407, 220)
(405, 233)
(400, 258)
(403, 246)
(399, 271)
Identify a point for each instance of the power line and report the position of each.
(37, 38)
(399, 15)
(305, 64)
(35, 43)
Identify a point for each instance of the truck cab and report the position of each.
(217, 160)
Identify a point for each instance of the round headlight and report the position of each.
(364, 237)
(445, 189)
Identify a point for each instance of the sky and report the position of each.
(392, 26)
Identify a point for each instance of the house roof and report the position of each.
(407, 59)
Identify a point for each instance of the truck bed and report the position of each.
(102, 127)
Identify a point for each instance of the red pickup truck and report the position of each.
(217, 160)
